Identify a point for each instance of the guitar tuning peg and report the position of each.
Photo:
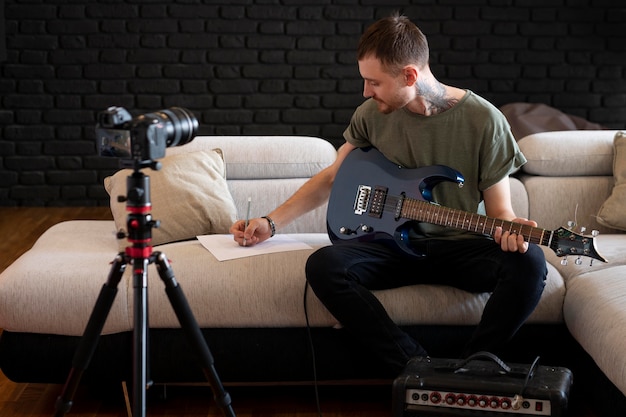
(595, 233)
(564, 261)
(578, 261)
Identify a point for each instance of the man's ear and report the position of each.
(410, 75)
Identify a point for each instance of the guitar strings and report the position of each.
(422, 210)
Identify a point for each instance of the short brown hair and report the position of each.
(396, 42)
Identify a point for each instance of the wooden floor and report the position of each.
(20, 227)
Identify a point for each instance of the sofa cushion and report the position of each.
(266, 157)
(189, 196)
(613, 211)
(581, 153)
(595, 313)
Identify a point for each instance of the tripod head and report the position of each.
(139, 221)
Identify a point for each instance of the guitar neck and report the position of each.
(428, 212)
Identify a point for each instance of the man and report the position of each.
(416, 121)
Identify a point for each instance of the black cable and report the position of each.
(530, 374)
(312, 348)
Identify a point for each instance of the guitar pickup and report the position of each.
(379, 197)
(362, 199)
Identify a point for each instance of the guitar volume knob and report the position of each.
(366, 229)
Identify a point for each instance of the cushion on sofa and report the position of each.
(613, 211)
(581, 153)
(189, 196)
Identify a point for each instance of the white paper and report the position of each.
(223, 247)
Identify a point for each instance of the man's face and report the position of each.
(390, 92)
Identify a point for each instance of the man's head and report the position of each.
(396, 42)
(392, 55)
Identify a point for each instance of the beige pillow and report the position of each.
(189, 197)
(613, 211)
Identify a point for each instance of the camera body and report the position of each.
(143, 138)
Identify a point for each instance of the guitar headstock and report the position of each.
(566, 242)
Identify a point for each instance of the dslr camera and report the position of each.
(143, 138)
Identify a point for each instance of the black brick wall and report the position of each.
(269, 67)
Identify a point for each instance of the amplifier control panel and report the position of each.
(421, 399)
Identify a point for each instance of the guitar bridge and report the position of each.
(362, 199)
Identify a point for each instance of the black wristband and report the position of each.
(272, 225)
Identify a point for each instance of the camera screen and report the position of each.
(114, 142)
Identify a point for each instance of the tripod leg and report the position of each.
(192, 330)
(89, 340)
(140, 335)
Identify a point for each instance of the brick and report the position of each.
(104, 11)
(33, 178)
(8, 179)
(180, 71)
(307, 116)
(229, 117)
(193, 11)
(233, 86)
(36, 133)
(192, 41)
(73, 192)
(155, 86)
(34, 195)
(191, 101)
(65, 177)
(26, 101)
(26, 12)
(158, 56)
(6, 117)
(271, 41)
(42, 72)
(69, 148)
(264, 101)
(29, 163)
(267, 71)
(70, 116)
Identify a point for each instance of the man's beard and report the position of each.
(384, 108)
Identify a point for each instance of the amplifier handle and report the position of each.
(484, 355)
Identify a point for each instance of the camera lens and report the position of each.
(181, 125)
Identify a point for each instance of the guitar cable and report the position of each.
(312, 350)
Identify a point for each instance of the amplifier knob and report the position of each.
(450, 399)
(472, 401)
(494, 402)
(505, 404)
(435, 398)
(483, 401)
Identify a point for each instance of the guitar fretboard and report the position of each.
(444, 216)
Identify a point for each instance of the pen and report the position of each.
(247, 219)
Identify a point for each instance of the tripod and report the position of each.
(140, 255)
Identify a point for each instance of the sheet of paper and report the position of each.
(223, 247)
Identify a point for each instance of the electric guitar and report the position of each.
(370, 201)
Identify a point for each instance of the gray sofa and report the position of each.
(254, 310)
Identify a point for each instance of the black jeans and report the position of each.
(343, 276)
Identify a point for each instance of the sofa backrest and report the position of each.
(567, 178)
(268, 170)
(569, 174)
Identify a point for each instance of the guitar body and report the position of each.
(351, 213)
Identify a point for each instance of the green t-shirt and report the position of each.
(472, 137)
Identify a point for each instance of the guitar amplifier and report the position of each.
(481, 385)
